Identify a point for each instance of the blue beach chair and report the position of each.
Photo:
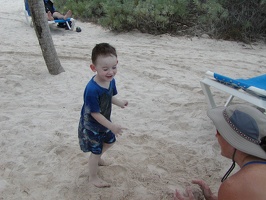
(252, 90)
(69, 22)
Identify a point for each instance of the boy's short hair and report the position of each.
(103, 49)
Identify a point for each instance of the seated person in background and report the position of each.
(241, 134)
(52, 13)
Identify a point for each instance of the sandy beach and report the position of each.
(170, 140)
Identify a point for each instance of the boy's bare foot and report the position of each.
(68, 14)
(50, 16)
(97, 182)
(103, 163)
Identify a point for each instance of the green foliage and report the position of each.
(151, 16)
(118, 15)
(82, 9)
(243, 20)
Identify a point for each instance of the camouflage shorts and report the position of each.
(91, 141)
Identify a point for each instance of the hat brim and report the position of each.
(233, 138)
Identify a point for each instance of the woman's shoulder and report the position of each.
(241, 184)
(252, 172)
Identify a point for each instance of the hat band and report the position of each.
(227, 119)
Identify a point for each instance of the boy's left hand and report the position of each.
(125, 103)
(117, 129)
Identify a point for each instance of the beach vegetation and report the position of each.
(241, 20)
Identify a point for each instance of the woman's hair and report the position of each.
(263, 143)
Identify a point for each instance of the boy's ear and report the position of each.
(93, 68)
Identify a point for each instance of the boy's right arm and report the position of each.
(116, 129)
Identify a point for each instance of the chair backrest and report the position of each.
(258, 81)
(255, 86)
(27, 8)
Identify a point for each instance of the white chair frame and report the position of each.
(208, 82)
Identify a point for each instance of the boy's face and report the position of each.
(106, 67)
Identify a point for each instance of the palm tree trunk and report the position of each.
(42, 31)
